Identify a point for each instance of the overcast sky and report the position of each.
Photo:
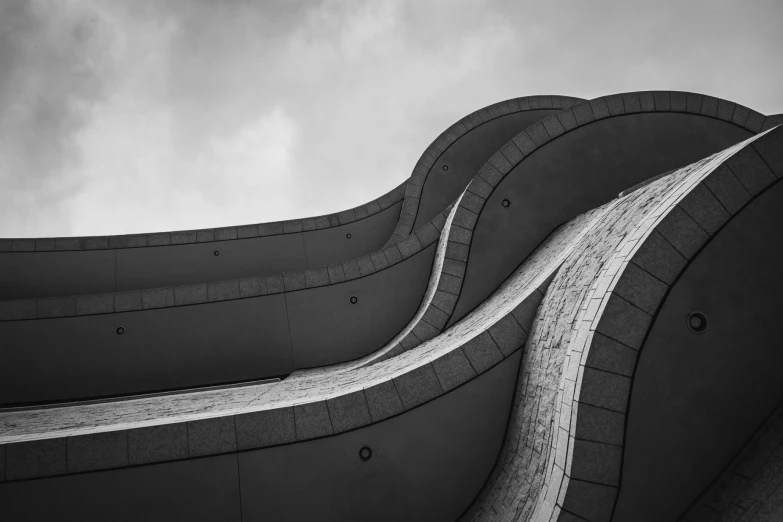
(148, 115)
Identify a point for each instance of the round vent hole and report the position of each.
(120, 330)
(365, 453)
(445, 167)
(348, 235)
(697, 322)
(506, 203)
(216, 253)
(354, 299)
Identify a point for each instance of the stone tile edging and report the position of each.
(409, 192)
(299, 408)
(542, 132)
(207, 235)
(433, 152)
(608, 292)
(392, 253)
(394, 347)
(202, 293)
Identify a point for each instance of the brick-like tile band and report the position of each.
(564, 362)
(489, 176)
(561, 456)
(502, 162)
(304, 406)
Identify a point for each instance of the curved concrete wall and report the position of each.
(565, 442)
(490, 124)
(69, 358)
(697, 398)
(29, 270)
(750, 488)
(565, 439)
(323, 326)
(598, 149)
(50, 267)
(456, 166)
(268, 484)
(306, 405)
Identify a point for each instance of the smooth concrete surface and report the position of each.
(573, 173)
(751, 489)
(201, 489)
(50, 274)
(330, 245)
(167, 348)
(426, 464)
(465, 156)
(326, 328)
(155, 267)
(698, 398)
(563, 451)
(471, 348)
(44, 274)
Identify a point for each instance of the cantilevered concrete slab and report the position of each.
(528, 347)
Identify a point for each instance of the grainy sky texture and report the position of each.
(144, 115)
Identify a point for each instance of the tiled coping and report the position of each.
(591, 327)
(305, 406)
(201, 293)
(409, 191)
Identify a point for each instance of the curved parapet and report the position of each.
(53, 267)
(566, 438)
(578, 159)
(455, 388)
(211, 333)
(369, 299)
(296, 332)
(451, 161)
(394, 399)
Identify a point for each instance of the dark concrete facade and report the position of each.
(567, 312)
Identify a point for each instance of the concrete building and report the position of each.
(569, 311)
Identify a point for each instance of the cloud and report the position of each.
(136, 116)
(53, 69)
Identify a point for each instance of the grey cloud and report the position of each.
(51, 63)
(137, 93)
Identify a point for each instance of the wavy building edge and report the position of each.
(405, 364)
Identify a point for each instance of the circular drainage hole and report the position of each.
(216, 253)
(697, 322)
(120, 330)
(348, 235)
(354, 299)
(445, 167)
(365, 453)
(506, 203)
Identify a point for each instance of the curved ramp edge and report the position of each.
(405, 192)
(576, 311)
(304, 406)
(54, 267)
(500, 177)
(440, 145)
(563, 450)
